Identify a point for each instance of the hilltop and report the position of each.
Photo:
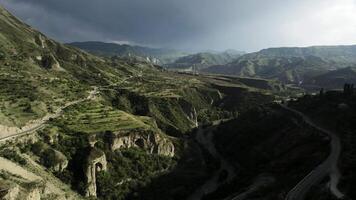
(201, 61)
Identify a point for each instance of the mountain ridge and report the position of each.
(292, 65)
(155, 55)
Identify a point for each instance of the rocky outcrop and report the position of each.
(40, 41)
(50, 62)
(145, 139)
(96, 162)
(61, 161)
(193, 117)
(9, 192)
(34, 194)
(12, 191)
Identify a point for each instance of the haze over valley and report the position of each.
(173, 100)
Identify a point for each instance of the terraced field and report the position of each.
(93, 117)
(24, 98)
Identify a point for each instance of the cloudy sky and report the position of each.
(194, 24)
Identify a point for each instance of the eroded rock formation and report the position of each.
(9, 192)
(145, 139)
(61, 161)
(96, 162)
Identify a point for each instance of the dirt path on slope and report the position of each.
(7, 133)
(329, 166)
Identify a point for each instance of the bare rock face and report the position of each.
(34, 194)
(9, 192)
(40, 41)
(50, 62)
(191, 113)
(96, 162)
(62, 161)
(193, 117)
(144, 139)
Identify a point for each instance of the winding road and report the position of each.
(205, 137)
(329, 166)
(42, 122)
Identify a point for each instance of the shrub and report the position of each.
(37, 148)
(48, 158)
(13, 156)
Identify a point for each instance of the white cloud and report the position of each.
(328, 22)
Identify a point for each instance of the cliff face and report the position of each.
(27, 191)
(9, 192)
(96, 162)
(144, 139)
(61, 161)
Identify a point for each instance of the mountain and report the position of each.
(344, 55)
(288, 70)
(156, 56)
(201, 61)
(332, 80)
(289, 65)
(75, 125)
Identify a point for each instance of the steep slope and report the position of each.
(332, 80)
(288, 70)
(335, 111)
(101, 127)
(200, 61)
(297, 150)
(157, 56)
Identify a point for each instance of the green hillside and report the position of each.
(155, 55)
(340, 54)
(201, 61)
(289, 65)
(65, 112)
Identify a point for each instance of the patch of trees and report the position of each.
(349, 89)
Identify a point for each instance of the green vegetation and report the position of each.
(128, 170)
(336, 111)
(339, 54)
(193, 168)
(296, 151)
(133, 96)
(204, 60)
(93, 117)
(307, 66)
(287, 70)
(110, 49)
(12, 155)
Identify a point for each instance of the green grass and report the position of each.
(93, 117)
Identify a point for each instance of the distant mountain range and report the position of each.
(340, 54)
(154, 55)
(290, 65)
(204, 60)
(169, 58)
(309, 67)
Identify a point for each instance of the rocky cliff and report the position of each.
(145, 139)
(96, 162)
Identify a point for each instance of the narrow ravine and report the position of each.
(205, 138)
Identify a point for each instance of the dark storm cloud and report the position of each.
(189, 24)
